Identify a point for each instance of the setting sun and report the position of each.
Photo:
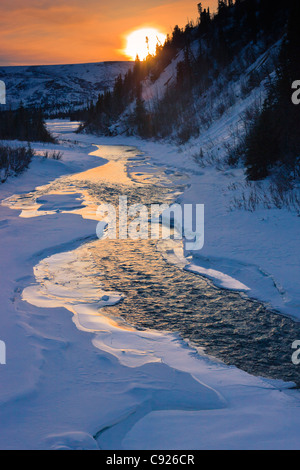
(143, 42)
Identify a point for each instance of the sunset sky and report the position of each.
(34, 32)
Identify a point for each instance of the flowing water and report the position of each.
(130, 281)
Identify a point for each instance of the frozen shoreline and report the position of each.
(60, 391)
(259, 250)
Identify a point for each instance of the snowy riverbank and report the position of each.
(259, 249)
(59, 390)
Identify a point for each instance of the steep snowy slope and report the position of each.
(59, 86)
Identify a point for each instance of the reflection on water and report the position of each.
(158, 295)
(114, 170)
(154, 294)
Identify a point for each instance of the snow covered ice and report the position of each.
(98, 383)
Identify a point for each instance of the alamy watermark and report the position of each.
(156, 221)
(2, 353)
(296, 101)
(296, 94)
(296, 355)
(2, 92)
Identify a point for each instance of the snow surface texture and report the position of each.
(257, 252)
(59, 391)
(59, 87)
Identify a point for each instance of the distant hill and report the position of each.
(59, 88)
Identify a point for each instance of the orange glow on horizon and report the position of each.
(70, 32)
(143, 42)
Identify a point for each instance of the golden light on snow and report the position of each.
(143, 42)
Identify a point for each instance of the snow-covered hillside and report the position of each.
(222, 115)
(237, 89)
(59, 86)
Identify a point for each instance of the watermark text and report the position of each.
(2, 353)
(157, 221)
(296, 94)
(296, 355)
(2, 92)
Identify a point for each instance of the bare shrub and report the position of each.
(208, 159)
(13, 160)
(53, 155)
(253, 195)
